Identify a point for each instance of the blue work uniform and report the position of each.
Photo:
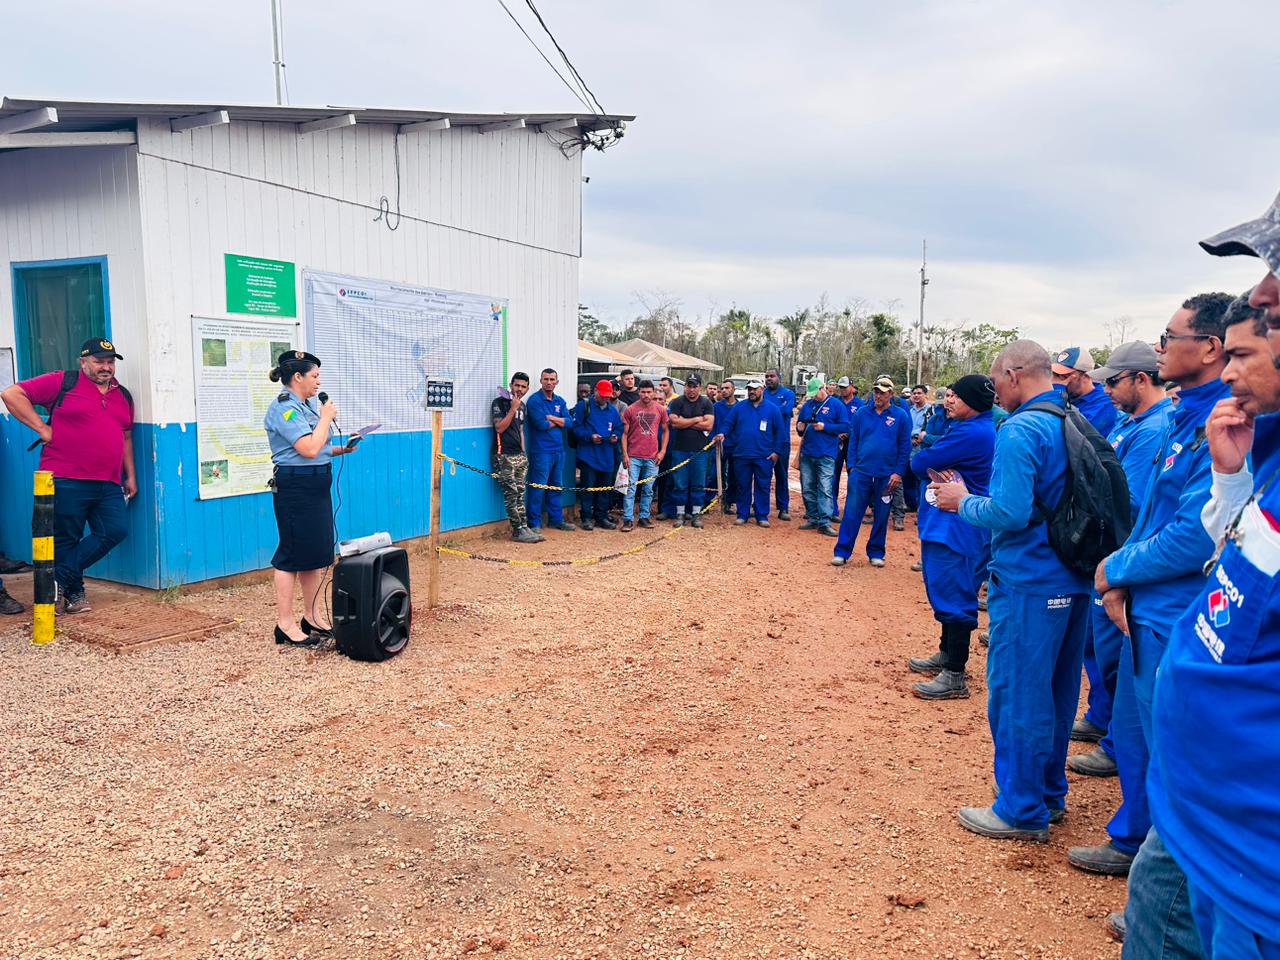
(1038, 609)
(546, 443)
(1214, 793)
(727, 471)
(818, 449)
(1096, 407)
(753, 432)
(597, 460)
(784, 398)
(954, 553)
(936, 425)
(879, 445)
(852, 406)
(1135, 441)
(302, 493)
(1162, 564)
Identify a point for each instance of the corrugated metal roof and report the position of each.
(81, 115)
(646, 352)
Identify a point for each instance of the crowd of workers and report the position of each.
(1177, 627)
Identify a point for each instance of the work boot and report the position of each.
(741, 521)
(784, 515)
(838, 561)
(899, 523)
(876, 561)
(564, 525)
(1115, 926)
(13, 566)
(679, 521)
(762, 523)
(696, 522)
(947, 685)
(1095, 763)
(1105, 859)
(927, 665)
(984, 822)
(1085, 732)
(525, 535)
(72, 603)
(606, 524)
(808, 525)
(627, 526)
(646, 523)
(827, 530)
(661, 515)
(8, 604)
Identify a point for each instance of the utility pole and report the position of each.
(275, 45)
(924, 282)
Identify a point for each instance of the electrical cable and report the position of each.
(597, 109)
(384, 207)
(519, 25)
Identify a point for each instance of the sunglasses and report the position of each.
(1119, 378)
(1167, 336)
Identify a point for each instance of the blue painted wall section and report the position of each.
(174, 538)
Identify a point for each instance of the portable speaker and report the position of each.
(371, 606)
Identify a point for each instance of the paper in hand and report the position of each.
(365, 431)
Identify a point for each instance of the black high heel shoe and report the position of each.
(282, 637)
(313, 630)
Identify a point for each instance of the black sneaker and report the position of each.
(696, 522)
(606, 524)
(8, 605)
(679, 521)
(72, 603)
(784, 515)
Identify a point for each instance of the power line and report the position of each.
(598, 109)
(575, 92)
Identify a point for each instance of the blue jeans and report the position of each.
(1223, 936)
(1033, 689)
(781, 489)
(689, 486)
(864, 490)
(752, 472)
(642, 468)
(1157, 917)
(100, 504)
(545, 468)
(815, 485)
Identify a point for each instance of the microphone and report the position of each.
(324, 397)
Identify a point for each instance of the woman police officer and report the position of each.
(299, 432)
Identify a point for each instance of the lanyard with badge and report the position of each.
(1233, 533)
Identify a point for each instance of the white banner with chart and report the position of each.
(232, 360)
(380, 342)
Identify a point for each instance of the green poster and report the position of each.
(263, 287)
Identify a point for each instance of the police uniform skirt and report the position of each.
(304, 518)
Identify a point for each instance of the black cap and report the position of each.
(99, 349)
(297, 356)
(693, 380)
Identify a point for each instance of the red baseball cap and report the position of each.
(604, 388)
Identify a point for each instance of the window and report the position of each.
(58, 305)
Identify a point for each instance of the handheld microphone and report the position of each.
(324, 397)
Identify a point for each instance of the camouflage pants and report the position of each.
(511, 471)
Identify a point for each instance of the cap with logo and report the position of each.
(844, 382)
(1071, 359)
(883, 384)
(99, 349)
(604, 388)
(297, 356)
(1253, 238)
(1135, 357)
(755, 384)
(693, 380)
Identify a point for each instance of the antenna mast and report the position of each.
(924, 282)
(275, 45)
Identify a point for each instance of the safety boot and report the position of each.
(947, 685)
(930, 664)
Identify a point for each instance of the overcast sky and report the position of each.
(1062, 158)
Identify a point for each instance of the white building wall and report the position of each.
(495, 214)
(57, 204)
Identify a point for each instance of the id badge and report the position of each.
(764, 425)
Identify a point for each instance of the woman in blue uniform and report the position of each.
(300, 429)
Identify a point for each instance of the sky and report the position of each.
(1061, 158)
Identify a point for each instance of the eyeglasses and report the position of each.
(1167, 336)
(1120, 378)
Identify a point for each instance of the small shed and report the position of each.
(203, 238)
(642, 351)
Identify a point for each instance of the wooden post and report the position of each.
(42, 621)
(433, 541)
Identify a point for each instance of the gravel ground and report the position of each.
(707, 750)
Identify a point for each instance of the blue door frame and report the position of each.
(16, 269)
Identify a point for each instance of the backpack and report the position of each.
(1093, 518)
(69, 379)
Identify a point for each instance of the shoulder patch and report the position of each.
(290, 413)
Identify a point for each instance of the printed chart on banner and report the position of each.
(232, 359)
(383, 343)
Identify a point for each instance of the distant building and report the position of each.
(133, 221)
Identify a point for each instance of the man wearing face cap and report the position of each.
(1216, 708)
(1071, 369)
(954, 553)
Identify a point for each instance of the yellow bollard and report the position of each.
(42, 623)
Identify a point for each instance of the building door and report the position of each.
(57, 306)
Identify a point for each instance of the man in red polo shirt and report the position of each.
(88, 447)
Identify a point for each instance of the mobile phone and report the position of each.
(354, 442)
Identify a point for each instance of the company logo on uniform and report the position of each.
(888, 421)
(1219, 608)
(1168, 461)
(1058, 603)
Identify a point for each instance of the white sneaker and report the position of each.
(838, 561)
(877, 561)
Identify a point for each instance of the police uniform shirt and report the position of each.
(288, 420)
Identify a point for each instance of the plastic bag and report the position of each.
(622, 482)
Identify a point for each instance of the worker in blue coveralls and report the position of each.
(936, 423)
(879, 445)
(1147, 583)
(954, 554)
(753, 431)
(728, 400)
(821, 421)
(1132, 383)
(1071, 368)
(1215, 752)
(549, 422)
(848, 394)
(598, 427)
(1037, 604)
(784, 398)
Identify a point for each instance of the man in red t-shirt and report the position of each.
(644, 443)
(88, 446)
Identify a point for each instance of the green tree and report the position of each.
(591, 329)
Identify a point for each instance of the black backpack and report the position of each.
(1093, 518)
(69, 378)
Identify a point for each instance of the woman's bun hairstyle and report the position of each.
(274, 375)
